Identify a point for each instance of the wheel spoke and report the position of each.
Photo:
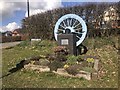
(74, 23)
(78, 29)
(68, 22)
(60, 29)
(77, 25)
(71, 22)
(82, 31)
(78, 37)
(64, 24)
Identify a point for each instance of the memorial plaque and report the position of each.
(64, 42)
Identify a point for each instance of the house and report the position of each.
(7, 33)
(111, 17)
(16, 32)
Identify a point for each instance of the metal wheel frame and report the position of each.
(71, 21)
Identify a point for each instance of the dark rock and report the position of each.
(18, 66)
(26, 62)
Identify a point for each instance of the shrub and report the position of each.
(90, 60)
(54, 65)
(66, 66)
(60, 50)
(71, 59)
(24, 43)
(42, 25)
(61, 58)
(10, 38)
(80, 58)
(73, 69)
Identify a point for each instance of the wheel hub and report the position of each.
(69, 30)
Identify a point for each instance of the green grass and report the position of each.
(32, 79)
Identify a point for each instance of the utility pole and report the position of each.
(28, 8)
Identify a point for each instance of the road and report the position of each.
(8, 44)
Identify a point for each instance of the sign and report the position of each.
(64, 42)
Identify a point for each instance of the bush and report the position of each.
(42, 25)
(10, 38)
(61, 58)
(73, 69)
(24, 43)
(54, 65)
(60, 50)
(90, 60)
(71, 59)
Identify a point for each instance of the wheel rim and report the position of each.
(74, 23)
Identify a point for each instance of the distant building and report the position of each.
(16, 32)
(111, 17)
(7, 33)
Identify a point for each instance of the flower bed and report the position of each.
(86, 68)
(63, 64)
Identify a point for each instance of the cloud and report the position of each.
(3, 29)
(34, 11)
(43, 6)
(8, 8)
(10, 27)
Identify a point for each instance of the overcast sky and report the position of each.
(13, 11)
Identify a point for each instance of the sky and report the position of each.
(13, 11)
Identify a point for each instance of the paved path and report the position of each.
(9, 44)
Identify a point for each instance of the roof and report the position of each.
(17, 30)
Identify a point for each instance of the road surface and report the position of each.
(8, 44)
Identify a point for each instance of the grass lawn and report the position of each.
(102, 47)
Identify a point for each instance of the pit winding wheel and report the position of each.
(74, 24)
